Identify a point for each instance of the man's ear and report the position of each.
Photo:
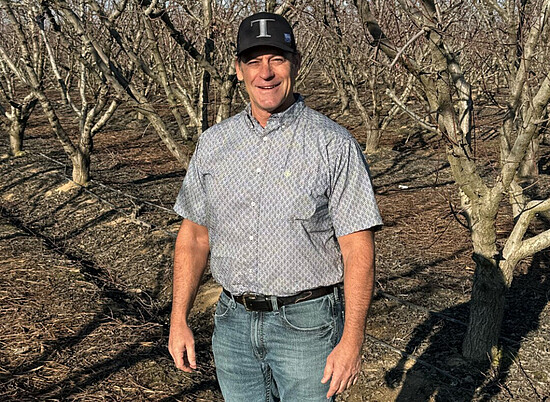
(238, 69)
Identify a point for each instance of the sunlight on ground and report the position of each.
(68, 186)
(207, 297)
(8, 196)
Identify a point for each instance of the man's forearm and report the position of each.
(358, 285)
(190, 257)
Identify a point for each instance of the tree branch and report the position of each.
(409, 42)
(416, 118)
(516, 248)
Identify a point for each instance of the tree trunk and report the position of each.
(166, 136)
(81, 168)
(226, 95)
(18, 123)
(486, 312)
(16, 137)
(344, 100)
(528, 169)
(487, 301)
(373, 140)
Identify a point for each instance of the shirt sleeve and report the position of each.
(352, 203)
(191, 201)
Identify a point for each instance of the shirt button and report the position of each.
(251, 238)
(265, 138)
(259, 170)
(253, 204)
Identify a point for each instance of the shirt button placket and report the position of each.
(263, 157)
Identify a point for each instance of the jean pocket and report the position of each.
(225, 304)
(309, 316)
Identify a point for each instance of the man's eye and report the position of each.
(252, 62)
(278, 60)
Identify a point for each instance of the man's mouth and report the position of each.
(268, 86)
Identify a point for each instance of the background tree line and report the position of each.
(465, 71)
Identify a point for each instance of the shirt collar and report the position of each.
(284, 118)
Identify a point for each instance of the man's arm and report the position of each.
(190, 256)
(344, 362)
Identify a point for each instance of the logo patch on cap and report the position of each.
(288, 38)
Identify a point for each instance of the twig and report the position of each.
(409, 42)
(398, 102)
(518, 363)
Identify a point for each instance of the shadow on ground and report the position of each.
(526, 299)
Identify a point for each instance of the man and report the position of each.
(280, 197)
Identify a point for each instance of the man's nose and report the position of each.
(266, 72)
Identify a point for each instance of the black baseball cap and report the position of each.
(265, 29)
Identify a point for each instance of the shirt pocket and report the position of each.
(310, 207)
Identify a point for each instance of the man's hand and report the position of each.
(343, 366)
(181, 345)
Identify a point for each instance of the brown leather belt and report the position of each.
(259, 302)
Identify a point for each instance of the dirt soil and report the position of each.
(85, 280)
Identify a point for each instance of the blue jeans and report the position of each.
(275, 355)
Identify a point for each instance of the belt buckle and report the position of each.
(251, 297)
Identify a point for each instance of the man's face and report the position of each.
(269, 78)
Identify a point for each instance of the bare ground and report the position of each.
(85, 282)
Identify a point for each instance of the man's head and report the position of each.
(268, 63)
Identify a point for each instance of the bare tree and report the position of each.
(448, 95)
(95, 106)
(15, 110)
(116, 74)
(16, 101)
(354, 70)
(212, 65)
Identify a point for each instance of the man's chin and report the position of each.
(277, 108)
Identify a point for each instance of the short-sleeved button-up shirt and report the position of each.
(275, 199)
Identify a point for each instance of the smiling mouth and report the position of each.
(268, 86)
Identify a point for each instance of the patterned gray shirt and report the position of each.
(275, 199)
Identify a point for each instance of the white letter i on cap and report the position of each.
(263, 27)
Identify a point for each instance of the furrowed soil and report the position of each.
(85, 279)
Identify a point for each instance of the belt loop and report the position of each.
(336, 291)
(231, 297)
(274, 304)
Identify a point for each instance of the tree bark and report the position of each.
(373, 139)
(488, 291)
(227, 91)
(528, 169)
(81, 168)
(16, 137)
(486, 311)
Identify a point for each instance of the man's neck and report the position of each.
(262, 116)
